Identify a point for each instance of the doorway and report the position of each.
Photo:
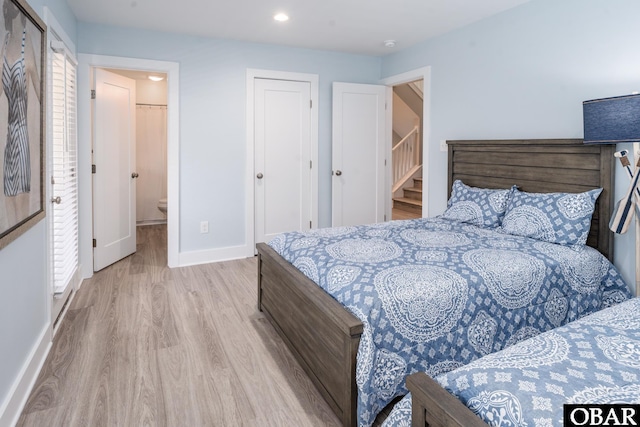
(86, 65)
(406, 153)
(139, 166)
(151, 145)
(410, 78)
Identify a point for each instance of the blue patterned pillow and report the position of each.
(478, 206)
(562, 218)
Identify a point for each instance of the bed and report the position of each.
(594, 360)
(324, 336)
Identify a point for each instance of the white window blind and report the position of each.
(64, 168)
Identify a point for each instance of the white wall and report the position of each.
(212, 117)
(524, 74)
(151, 158)
(404, 118)
(150, 92)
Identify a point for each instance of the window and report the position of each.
(64, 177)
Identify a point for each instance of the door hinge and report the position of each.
(385, 162)
(93, 94)
(385, 217)
(310, 224)
(310, 164)
(95, 243)
(311, 103)
(93, 168)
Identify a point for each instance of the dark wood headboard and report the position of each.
(541, 166)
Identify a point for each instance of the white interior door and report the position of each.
(358, 184)
(282, 157)
(114, 156)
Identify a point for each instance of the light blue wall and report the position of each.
(23, 305)
(23, 272)
(212, 117)
(64, 16)
(524, 74)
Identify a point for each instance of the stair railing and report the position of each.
(406, 158)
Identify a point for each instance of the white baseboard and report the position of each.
(12, 407)
(186, 259)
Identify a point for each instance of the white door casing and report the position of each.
(282, 164)
(114, 151)
(358, 162)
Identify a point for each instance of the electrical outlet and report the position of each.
(204, 227)
(443, 145)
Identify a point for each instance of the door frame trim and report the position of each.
(253, 74)
(86, 62)
(423, 73)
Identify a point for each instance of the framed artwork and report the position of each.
(22, 119)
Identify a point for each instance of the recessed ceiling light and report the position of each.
(389, 43)
(281, 17)
(156, 78)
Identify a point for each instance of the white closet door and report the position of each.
(151, 160)
(358, 162)
(282, 157)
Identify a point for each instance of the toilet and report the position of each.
(162, 205)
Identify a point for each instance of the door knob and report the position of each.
(338, 172)
(56, 200)
(134, 175)
(259, 176)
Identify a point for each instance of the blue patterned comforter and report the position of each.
(435, 294)
(593, 360)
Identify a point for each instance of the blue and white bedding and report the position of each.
(593, 360)
(435, 294)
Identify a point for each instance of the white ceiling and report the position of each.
(353, 26)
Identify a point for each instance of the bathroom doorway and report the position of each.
(151, 145)
(87, 65)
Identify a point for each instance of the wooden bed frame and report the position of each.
(433, 406)
(324, 336)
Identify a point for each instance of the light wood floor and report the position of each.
(145, 345)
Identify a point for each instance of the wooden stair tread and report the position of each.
(413, 189)
(413, 193)
(408, 201)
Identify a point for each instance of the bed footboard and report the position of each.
(433, 406)
(322, 335)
